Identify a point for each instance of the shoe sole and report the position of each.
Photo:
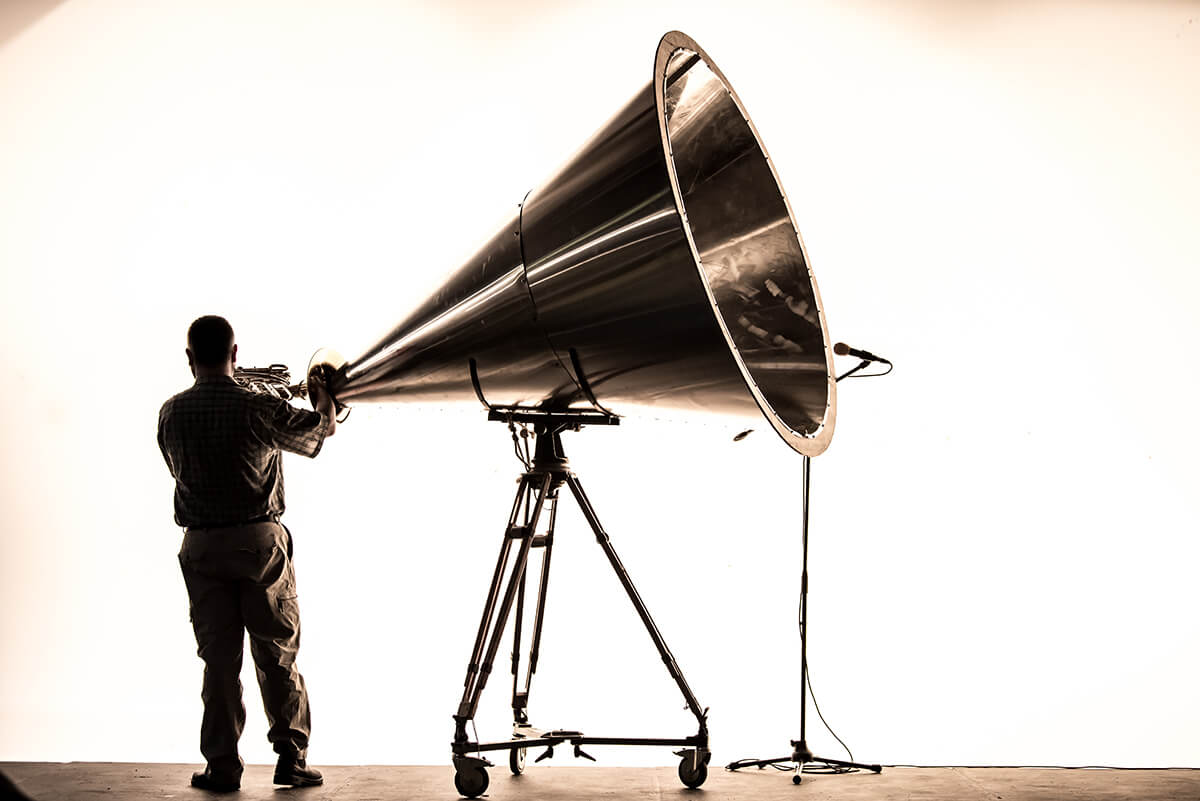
(297, 781)
(217, 788)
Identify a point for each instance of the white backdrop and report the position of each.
(1000, 197)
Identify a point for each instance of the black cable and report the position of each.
(872, 375)
(853, 372)
(808, 681)
(1041, 767)
(817, 766)
(827, 726)
(814, 767)
(824, 769)
(523, 458)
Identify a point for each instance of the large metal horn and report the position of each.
(659, 266)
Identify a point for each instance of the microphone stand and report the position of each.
(801, 753)
(864, 364)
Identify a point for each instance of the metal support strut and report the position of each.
(538, 493)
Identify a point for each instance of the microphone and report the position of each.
(842, 349)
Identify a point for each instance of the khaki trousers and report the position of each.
(240, 580)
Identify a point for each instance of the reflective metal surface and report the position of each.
(661, 260)
(482, 312)
(741, 229)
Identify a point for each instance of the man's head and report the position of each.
(211, 349)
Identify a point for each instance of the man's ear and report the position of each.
(233, 354)
(191, 361)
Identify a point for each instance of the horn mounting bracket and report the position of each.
(550, 418)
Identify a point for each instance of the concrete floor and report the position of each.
(138, 782)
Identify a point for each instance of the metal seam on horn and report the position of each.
(532, 301)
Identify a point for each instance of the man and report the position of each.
(222, 444)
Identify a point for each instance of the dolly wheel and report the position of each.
(516, 761)
(471, 781)
(691, 773)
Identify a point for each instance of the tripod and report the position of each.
(801, 754)
(538, 490)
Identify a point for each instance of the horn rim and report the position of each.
(808, 445)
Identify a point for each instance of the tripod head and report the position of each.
(548, 454)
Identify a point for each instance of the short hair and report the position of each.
(211, 340)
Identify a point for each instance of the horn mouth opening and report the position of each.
(745, 244)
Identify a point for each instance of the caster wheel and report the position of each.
(796, 779)
(690, 774)
(471, 781)
(516, 761)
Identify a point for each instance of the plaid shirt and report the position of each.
(222, 444)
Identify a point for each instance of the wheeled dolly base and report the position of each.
(471, 776)
(537, 492)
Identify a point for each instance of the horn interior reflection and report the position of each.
(749, 252)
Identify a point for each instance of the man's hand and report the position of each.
(322, 400)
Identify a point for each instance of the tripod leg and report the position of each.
(525, 534)
(518, 697)
(523, 685)
(489, 608)
(530, 496)
(639, 605)
(841, 763)
(521, 689)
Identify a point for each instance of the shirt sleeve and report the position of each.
(162, 442)
(279, 424)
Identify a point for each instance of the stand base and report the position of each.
(800, 757)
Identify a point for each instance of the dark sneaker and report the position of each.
(296, 773)
(215, 784)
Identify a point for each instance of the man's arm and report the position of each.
(278, 424)
(162, 443)
(323, 402)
